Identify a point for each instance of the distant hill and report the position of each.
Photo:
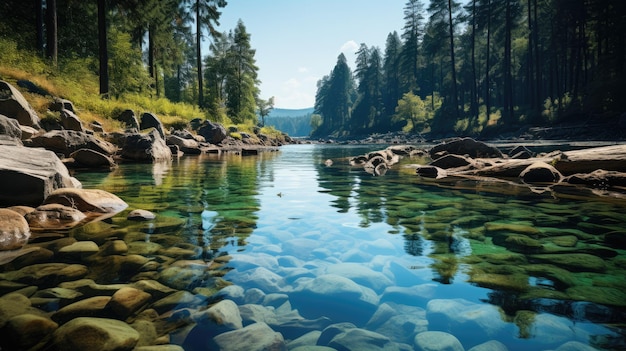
(295, 122)
(285, 112)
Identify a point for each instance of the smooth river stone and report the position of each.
(437, 341)
(335, 297)
(24, 331)
(86, 333)
(257, 336)
(14, 230)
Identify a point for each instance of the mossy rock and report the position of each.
(598, 294)
(561, 277)
(519, 243)
(575, 262)
(511, 282)
(519, 228)
(564, 240)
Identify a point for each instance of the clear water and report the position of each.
(533, 271)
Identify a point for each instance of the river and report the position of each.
(394, 255)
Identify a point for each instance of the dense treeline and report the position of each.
(150, 47)
(488, 67)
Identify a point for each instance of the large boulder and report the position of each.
(146, 147)
(70, 121)
(87, 200)
(213, 133)
(67, 141)
(14, 230)
(150, 120)
(29, 175)
(62, 104)
(10, 131)
(188, 146)
(14, 105)
(92, 158)
(129, 119)
(465, 146)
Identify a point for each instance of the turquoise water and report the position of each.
(394, 255)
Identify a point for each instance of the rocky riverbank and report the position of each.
(465, 162)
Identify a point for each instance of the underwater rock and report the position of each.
(357, 339)
(89, 307)
(259, 277)
(14, 230)
(575, 346)
(307, 342)
(223, 316)
(46, 274)
(254, 337)
(491, 345)
(398, 322)
(437, 340)
(417, 295)
(15, 304)
(87, 333)
(361, 274)
(127, 301)
(24, 331)
(335, 297)
(465, 319)
(175, 301)
(576, 262)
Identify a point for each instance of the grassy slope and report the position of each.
(74, 81)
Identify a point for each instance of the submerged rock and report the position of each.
(254, 337)
(86, 333)
(437, 340)
(465, 146)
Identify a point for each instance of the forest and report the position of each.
(476, 67)
(484, 67)
(144, 47)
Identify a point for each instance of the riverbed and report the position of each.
(396, 256)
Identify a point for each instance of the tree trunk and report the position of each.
(199, 54)
(473, 89)
(488, 64)
(102, 49)
(52, 49)
(508, 79)
(39, 27)
(455, 97)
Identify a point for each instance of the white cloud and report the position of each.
(303, 69)
(349, 47)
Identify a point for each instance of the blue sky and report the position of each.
(297, 41)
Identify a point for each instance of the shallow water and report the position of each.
(395, 255)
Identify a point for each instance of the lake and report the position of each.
(304, 246)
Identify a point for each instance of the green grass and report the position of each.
(75, 80)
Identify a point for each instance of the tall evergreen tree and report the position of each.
(391, 77)
(334, 98)
(207, 15)
(241, 85)
(411, 35)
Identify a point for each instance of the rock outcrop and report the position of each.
(146, 147)
(14, 105)
(29, 175)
